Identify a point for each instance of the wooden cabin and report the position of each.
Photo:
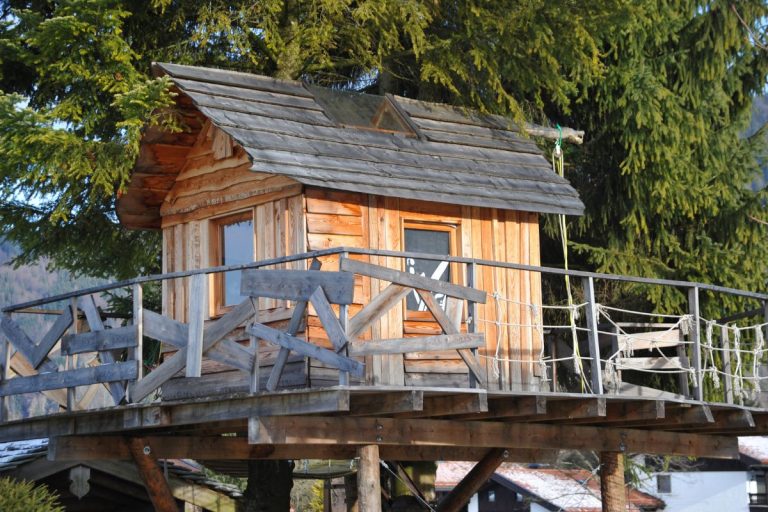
(266, 168)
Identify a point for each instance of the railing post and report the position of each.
(137, 353)
(472, 314)
(764, 305)
(693, 310)
(594, 345)
(4, 358)
(70, 359)
(725, 343)
(344, 321)
(198, 298)
(253, 343)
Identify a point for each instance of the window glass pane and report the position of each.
(237, 248)
(663, 484)
(757, 488)
(432, 242)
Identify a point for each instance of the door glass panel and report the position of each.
(431, 242)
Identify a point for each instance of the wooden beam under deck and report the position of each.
(365, 431)
(509, 407)
(567, 410)
(676, 417)
(172, 415)
(447, 405)
(378, 404)
(735, 419)
(231, 448)
(759, 418)
(625, 413)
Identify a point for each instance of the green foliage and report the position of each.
(21, 496)
(307, 495)
(71, 108)
(666, 171)
(240, 483)
(663, 90)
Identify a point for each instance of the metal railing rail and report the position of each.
(397, 254)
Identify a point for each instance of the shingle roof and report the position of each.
(17, 453)
(456, 156)
(755, 447)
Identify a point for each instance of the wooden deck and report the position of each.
(264, 416)
(406, 423)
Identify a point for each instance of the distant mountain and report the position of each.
(31, 282)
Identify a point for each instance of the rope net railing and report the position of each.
(653, 343)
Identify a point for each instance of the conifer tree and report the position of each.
(76, 91)
(667, 170)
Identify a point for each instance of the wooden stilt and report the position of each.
(612, 482)
(462, 493)
(154, 480)
(369, 479)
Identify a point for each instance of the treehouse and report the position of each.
(270, 168)
(348, 275)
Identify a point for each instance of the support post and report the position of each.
(369, 479)
(693, 309)
(344, 321)
(154, 480)
(594, 344)
(483, 470)
(612, 482)
(472, 313)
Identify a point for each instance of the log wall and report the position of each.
(215, 182)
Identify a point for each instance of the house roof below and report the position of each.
(569, 490)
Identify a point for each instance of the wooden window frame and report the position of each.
(454, 232)
(217, 294)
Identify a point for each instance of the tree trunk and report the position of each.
(269, 486)
(612, 482)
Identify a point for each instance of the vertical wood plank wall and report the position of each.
(359, 220)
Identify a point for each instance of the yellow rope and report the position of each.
(558, 166)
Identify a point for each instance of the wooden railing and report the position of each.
(71, 364)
